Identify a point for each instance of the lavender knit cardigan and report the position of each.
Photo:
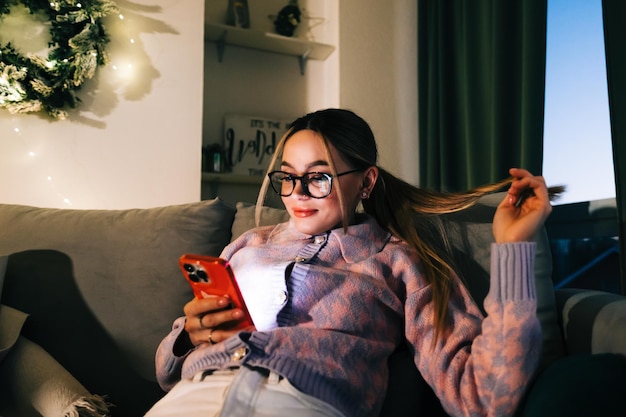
(353, 298)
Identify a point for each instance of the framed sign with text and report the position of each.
(249, 142)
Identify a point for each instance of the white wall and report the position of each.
(135, 140)
(378, 76)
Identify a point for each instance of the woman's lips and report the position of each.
(302, 212)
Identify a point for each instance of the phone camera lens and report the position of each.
(202, 275)
(188, 267)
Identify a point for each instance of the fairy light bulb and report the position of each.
(122, 62)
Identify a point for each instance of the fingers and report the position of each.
(526, 185)
(214, 336)
(207, 336)
(523, 179)
(199, 306)
(211, 320)
(205, 316)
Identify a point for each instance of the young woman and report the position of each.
(334, 291)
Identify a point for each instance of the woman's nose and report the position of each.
(298, 190)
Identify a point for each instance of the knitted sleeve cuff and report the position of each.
(512, 271)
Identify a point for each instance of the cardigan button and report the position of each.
(239, 354)
(300, 259)
(281, 297)
(319, 240)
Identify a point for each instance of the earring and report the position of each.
(364, 195)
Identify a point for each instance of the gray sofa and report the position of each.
(88, 295)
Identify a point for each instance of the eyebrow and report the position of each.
(312, 164)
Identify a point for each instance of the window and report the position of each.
(577, 136)
(577, 149)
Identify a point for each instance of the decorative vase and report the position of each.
(238, 14)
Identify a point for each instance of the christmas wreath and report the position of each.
(32, 83)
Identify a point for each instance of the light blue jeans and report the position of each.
(242, 392)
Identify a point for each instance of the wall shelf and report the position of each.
(304, 50)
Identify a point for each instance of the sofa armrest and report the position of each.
(592, 321)
(39, 386)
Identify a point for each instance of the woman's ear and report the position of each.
(369, 180)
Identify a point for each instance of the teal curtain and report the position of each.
(614, 14)
(481, 87)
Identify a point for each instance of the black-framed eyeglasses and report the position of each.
(314, 184)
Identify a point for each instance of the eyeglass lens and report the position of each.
(316, 185)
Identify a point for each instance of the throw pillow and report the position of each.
(39, 385)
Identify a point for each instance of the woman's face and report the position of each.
(305, 152)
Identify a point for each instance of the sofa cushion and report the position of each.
(125, 262)
(244, 218)
(589, 320)
(579, 386)
(472, 235)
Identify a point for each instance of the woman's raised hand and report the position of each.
(524, 209)
(208, 320)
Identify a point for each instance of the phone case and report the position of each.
(209, 276)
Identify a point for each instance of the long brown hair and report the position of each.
(408, 212)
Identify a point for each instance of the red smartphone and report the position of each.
(210, 276)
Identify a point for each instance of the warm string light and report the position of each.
(33, 157)
(123, 70)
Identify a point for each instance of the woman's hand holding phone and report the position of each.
(218, 310)
(208, 319)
